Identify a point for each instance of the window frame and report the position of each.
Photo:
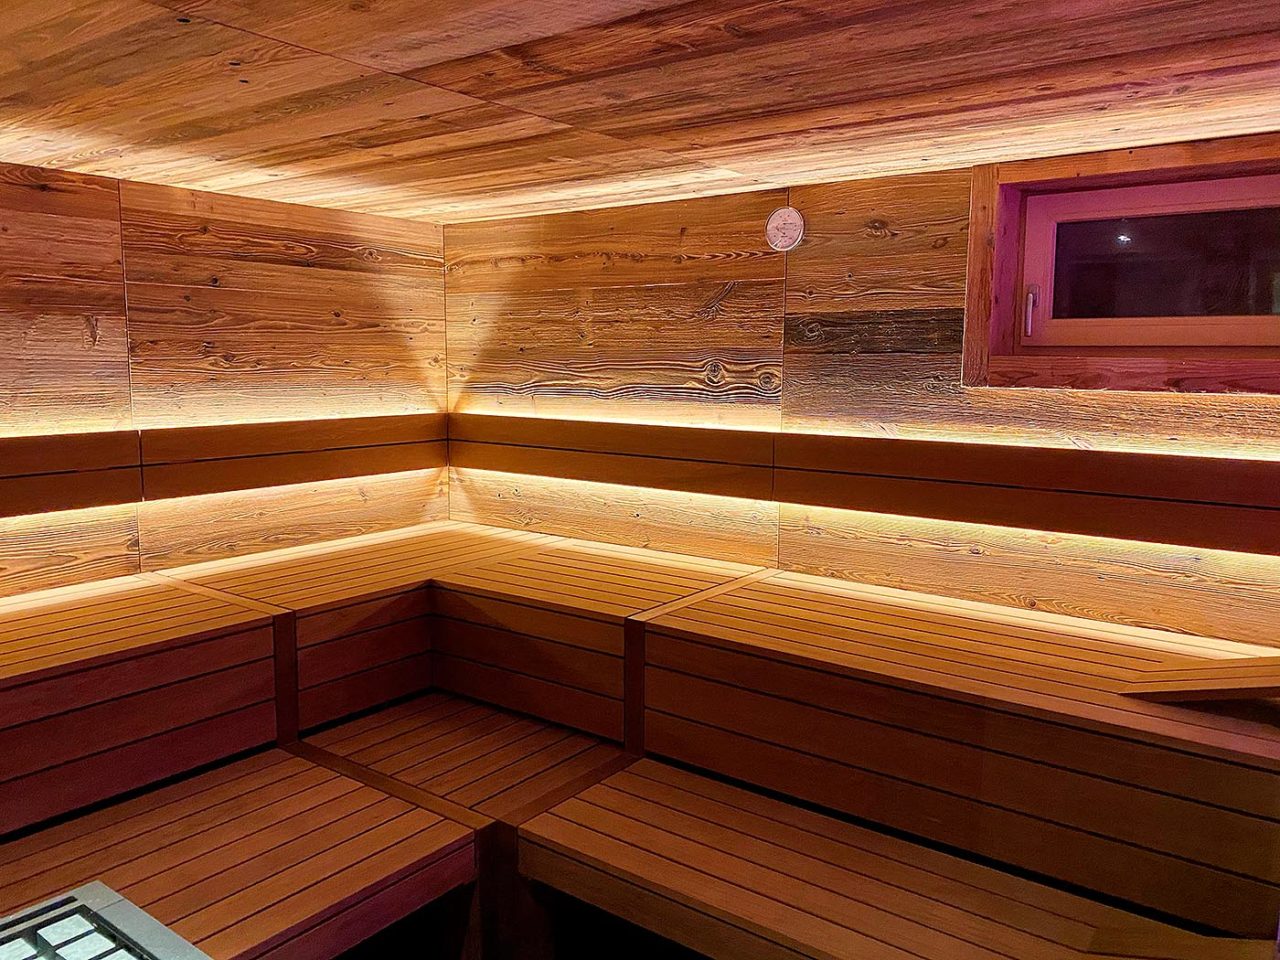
(1044, 211)
(994, 354)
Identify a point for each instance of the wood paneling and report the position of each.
(704, 525)
(1192, 590)
(194, 529)
(196, 104)
(251, 311)
(63, 356)
(669, 312)
(255, 856)
(491, 111)
(734, 875)
(40, 474)
(108, 687)
(359, 628)
(875, 299)
(56, 549)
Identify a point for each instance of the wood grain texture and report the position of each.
(1196, 591)
(193, 529)
(735, 684)
(491, 762)
(56, 549)
(220, 441)
(725, 528)
(286, 122)
(875, 296)
(63, 356)
(669, 312)
(108, 687)
(167, 480)
(252, 311)
(490, 113)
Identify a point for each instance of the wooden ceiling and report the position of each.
(470, 110)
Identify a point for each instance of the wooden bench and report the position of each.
(995, 731)
(358, 608)
(544, 632)
(736, 875)
(268, 857)
(109, 686)
(1241, 679)
(479, 765)
(498, 764)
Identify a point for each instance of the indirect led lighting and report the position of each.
(701, 524)
(1209, 593)
(747, 420)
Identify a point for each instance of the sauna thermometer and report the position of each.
(784, 229)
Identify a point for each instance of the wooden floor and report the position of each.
(270, 856)
(737, 875)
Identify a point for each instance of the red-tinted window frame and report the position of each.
(994, 352)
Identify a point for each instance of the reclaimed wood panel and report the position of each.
(734, 874)
(563, 315)
(723, 528)
(288, 123)
(875, 299)
(252, 857)
(69, 547)
(916, 92)
(1191, 590)
(244, 310)
(63, 356)
(109, 687)
(194, 529)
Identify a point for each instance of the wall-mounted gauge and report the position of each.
(784, 229)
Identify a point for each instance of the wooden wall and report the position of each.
(861, 336)
(141, 309)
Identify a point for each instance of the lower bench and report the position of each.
(272, 856)
(733, 874)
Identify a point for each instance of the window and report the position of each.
(1193, 264)
(1150, 269)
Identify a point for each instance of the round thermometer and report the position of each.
(784, 228)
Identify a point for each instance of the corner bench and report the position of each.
(740, 876)
(981, 728)
(271, 856)
(110, 686)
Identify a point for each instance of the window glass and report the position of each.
(1206, 264)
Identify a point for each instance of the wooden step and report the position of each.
(269, 856)
(736, 875)
(544, 631)
(109, 686)
(497, 763)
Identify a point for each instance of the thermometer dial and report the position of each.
(784, 229)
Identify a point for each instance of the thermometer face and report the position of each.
(785, 228)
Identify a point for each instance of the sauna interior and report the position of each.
(639, 478)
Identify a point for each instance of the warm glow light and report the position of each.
(701, 524)
(1209, 593)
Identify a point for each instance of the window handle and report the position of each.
(1029, 310)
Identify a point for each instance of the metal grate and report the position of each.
(92, 922)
